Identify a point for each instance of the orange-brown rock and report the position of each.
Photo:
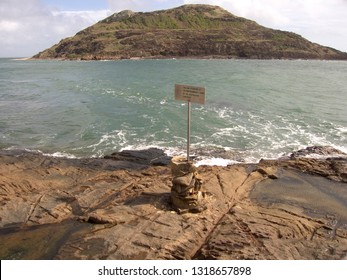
(55, 208)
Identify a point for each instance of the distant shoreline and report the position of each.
(177, 58)
(22, 58)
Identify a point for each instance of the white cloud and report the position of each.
(27, 27)
(140, 5)
(8, 25)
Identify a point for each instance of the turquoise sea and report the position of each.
(254, 108)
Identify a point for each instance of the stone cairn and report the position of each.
(186, 191)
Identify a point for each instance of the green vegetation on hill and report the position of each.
(186, 31)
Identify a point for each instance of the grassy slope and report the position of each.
(187, 31)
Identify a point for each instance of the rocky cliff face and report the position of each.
(201, 31)
(119, 208)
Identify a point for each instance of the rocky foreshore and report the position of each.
(119, 207)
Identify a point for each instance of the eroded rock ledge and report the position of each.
(119, 208)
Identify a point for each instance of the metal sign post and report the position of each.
(189, 94)
(188, 131)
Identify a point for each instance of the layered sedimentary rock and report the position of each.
(186, 191)
(120, 207)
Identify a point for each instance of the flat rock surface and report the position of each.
(116, 208)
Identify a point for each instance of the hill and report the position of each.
(201, 31)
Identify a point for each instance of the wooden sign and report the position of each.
(190, 93)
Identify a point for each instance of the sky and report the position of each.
(30, 26)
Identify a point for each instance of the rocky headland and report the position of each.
(189, 31)
(119, 207)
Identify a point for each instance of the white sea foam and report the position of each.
(60, 155)
(54, 154)
(214, 162)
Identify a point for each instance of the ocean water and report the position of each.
(254, 108)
